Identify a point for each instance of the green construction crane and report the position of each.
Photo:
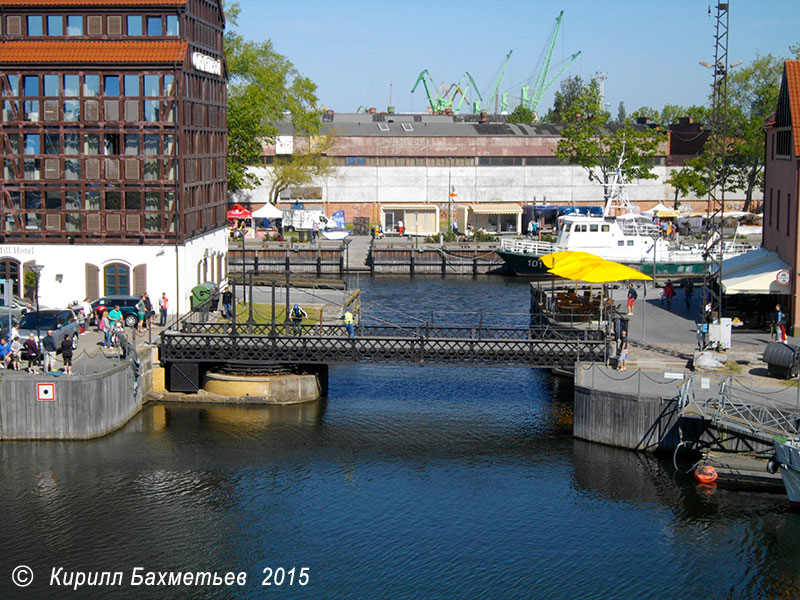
(531, 95)
(495, 87)
(461, 90)
(436, 103)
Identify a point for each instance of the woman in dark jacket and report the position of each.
(31, 352)
(66, 353)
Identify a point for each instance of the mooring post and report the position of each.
(638, 382)
(593, 365)
(480, 325)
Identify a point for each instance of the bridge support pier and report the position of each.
(321, 371)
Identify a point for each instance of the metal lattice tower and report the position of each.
(712, 282)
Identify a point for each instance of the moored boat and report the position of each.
(787, 456)
(620, 234)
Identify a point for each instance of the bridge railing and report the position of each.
(179, 347)
(414, 331)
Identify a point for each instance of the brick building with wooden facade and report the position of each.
(113, 140)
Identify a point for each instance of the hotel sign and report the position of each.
(207, 64)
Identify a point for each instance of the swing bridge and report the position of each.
(193, 346)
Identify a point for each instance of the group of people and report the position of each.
(13, 353)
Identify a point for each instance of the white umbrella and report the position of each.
(268, 211)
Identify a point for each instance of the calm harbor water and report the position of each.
(406, 482)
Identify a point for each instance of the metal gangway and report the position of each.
(739, 410)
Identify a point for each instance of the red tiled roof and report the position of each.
(793, 87)
(90, 2)
(92, 52)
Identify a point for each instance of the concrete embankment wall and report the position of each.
(82, 406)
(644, 423)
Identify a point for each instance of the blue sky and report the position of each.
(650, 50)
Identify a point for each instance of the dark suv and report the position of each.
(61, 321)
(127, 306)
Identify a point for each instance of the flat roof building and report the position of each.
(113, 141)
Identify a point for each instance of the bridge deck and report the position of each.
(199, 346)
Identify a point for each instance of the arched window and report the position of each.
(9, 269)
(117, 280)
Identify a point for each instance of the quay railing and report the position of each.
(744, 411)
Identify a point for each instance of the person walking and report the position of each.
(227, 300)
(163, 304)
(31, 352)
(297, 316)
(314, 231)
(347, 317)
(49, 347)
(669, 292)
(88, 313)
(632, 295)
(66, 354)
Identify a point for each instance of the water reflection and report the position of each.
(406, 482)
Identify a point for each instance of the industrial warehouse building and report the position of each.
(385, 162)
(113, 136)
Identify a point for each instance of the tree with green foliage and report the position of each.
(645, 112)
(263, 87)
(302, 166)
(752, 97)
(521, 114)
(622, 115)
(671, 113)
(686, 180)
(588, 142)
(564, 96)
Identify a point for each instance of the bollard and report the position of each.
(638, 383)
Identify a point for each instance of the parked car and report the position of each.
(62, 321)
(127, 306)
(17, 306)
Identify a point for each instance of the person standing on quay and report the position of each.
(777, 319)
(66, 353)
(148, 310)
(49, 347)
(347, 317)
(297, 316)
(227, 300)
(632, 295)
(623, 353)
(163, 302)
(140, 308)
(31, 352)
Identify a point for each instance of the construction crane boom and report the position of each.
(432, 100)
(534, 101)
(496, 85)
(541, 77)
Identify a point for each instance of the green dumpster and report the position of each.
(201, 296)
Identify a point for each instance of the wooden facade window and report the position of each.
(94, 25)
(14, 25)
(114, 25)
(116, 280)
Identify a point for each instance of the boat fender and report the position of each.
(705, 474)
(773, 465)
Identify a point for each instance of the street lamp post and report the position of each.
(37, 271)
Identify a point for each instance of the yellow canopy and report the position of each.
(591, 268)
(559, 259)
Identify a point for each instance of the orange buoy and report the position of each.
(705, 474)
